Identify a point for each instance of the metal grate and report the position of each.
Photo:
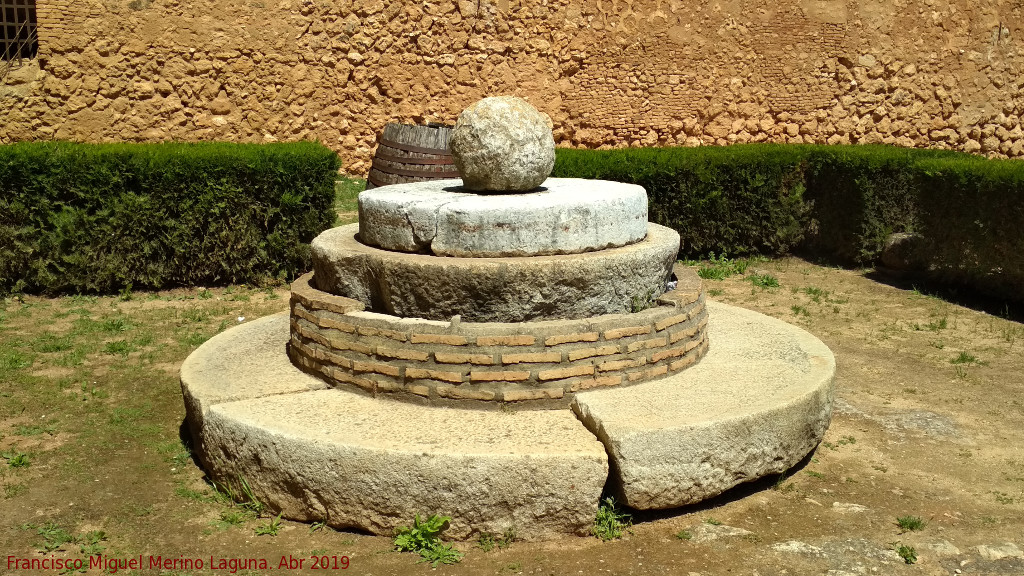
(18, 38)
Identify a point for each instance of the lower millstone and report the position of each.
(612, 281)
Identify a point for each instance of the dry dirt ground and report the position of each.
(928, 423)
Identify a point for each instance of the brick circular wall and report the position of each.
(536, 364)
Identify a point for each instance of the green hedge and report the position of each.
(838, 202)
(971, 214)
(735, 200)
(99, 218)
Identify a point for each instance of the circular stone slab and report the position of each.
(757, 404)
(515, 289)
(373, 464)
(502, 144)
(567, 216)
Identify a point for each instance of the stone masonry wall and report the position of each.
(922, 73)
(540, 363)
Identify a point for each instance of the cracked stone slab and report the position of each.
(514, 289)
(372, 464)
(566, 216)
(757, 403)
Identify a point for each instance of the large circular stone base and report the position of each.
(566, 216)
(757, 404)
(612, 281)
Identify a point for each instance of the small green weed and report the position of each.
(16, 459)
(89, 543)
(908, 553)
(800, 310)
(205, 294)
(53, 537)
(13, 490)
(967, 358)
(715, 292)
(193, 339)
(610, 522)
(119, 348)
(317, 527)
(116, 324)
(271, 528)
(814, 474)
(936, 325)
(234, 516)
(713, 521)
(34, 430)
(910, 523)
(816, 294)
(764, 281)
(641, 302)
(424, 539)
(1002, 497)
(488, 541)
(684, 535)
(195, 315)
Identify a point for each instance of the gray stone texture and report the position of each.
(566, 216)
(758, 402)
(905, 251)
(494, 289)
(503, 144)
(372, 464)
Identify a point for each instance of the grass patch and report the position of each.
(610, 523)
(910, 523)
(966, 358)
(719, 267)
(764, 281)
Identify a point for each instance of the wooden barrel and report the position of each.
(412, 153)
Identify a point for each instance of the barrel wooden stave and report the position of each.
(412, 153)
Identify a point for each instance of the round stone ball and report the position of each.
(503, 144)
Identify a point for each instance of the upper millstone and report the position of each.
(567, 216)
(503, 144)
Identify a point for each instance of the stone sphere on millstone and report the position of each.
(503, 144)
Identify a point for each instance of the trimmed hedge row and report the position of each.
(837, 202)
(102, 217)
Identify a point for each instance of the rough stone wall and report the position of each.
(940, 73)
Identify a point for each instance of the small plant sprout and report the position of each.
(424, 539)
(684, 535)
(910, 523)
(966, 358)
(908, 553)
(488, 541)
(713, 521)
(271, 528)
(16, 459)
(610, 523)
